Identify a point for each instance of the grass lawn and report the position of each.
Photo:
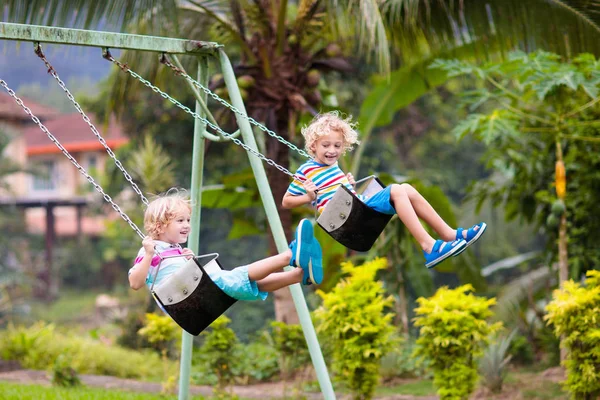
(413, 387)
(13, 391)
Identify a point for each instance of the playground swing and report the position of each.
(188, 296)
(346, 218)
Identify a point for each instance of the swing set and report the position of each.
(189, 296)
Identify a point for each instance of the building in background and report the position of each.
(57, 192)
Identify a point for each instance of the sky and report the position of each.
(20, 65)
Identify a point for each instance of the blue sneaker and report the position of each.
(442, 250)
(473, 233)
(315, 266)
(302, 243)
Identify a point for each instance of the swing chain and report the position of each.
(52, 71)
(179, 71)
(89, 178)
(199, 117)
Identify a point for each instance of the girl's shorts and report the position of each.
(235, 283)
(381, 202)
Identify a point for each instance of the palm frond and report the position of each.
(363, 20)
(89, 14)
(567, 27)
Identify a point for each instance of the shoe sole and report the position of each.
(311, 273)
(304, 236)
(458, 247)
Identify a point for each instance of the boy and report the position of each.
(327, 138)
(167, 222)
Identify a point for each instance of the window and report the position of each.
(47, 178)
(92, 163)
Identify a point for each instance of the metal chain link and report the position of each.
(72, 159)
(52, 71)
(217, 129)
(209, 92)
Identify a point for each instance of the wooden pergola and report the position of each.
(50, 234)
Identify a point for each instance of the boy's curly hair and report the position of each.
(324, 124)
(163, 209)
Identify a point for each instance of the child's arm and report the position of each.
(137, 277)
(293, 201)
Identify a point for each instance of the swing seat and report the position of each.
(349, 221)
(190, 297)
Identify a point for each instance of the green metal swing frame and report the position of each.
(201, 50)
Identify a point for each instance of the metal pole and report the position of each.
(276, 227)
(185, 362)
(112, 40)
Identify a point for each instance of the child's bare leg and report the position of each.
(408, 215)
(278, 280)
(262, 268)
(427, 213)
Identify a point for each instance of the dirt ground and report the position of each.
(511, 391)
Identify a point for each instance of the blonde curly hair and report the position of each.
(324, 124)
(163, 209)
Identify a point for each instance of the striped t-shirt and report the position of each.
(324, 176)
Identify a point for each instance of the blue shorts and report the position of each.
(381, 201)
(235, 283)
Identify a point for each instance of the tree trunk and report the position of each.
(563, 260)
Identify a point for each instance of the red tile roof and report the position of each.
(9, 109)
(74, 134)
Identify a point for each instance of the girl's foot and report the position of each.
(442, 250)
(470, 235)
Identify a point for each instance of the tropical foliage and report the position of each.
(539, 115)
(574, 314)
(354, 321)
(453, 332)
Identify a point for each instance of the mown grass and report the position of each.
(414, 388)
(13, 391)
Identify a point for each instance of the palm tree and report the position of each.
(284, 46)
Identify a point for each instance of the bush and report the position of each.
(400, 363)
(255, 362)
(492, 365)
(452, 334)
(521, 350)
(38, 347)
(574, 314)
(218, 351)
(290, 343)
(63, 374)
(357, 327)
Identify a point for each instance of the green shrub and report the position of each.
(453, 331)
(63, 374)
(492, 364)
(218, 351)
(354, 321)
(255, 362)
(38, 346)
(574, 312)
(400, 363)
(521, 350)
(162, 332)
(290, 343)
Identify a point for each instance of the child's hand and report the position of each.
(350, 178)
(148, 244)
(311, 188)
(188, 252)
